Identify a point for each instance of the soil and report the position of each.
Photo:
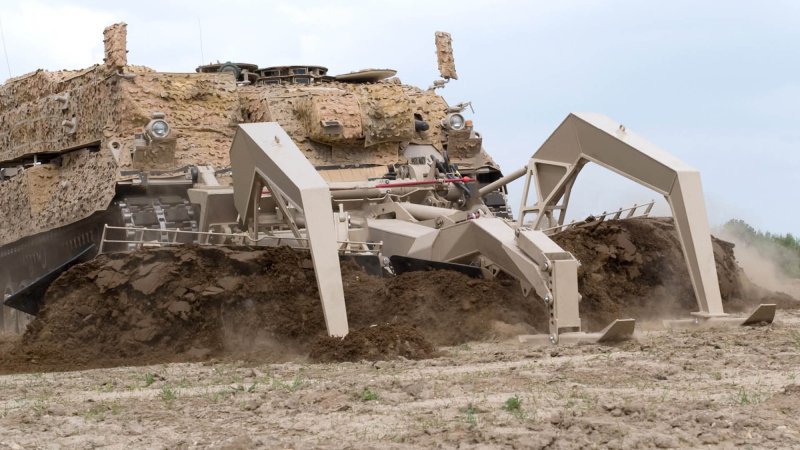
(431, 359)
(635, 268)
(723, 388)
(193, 303)
(390, 341)
(199, 303)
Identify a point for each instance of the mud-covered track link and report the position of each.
(158, 214)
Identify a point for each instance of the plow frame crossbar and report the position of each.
(344, 247)
(597, 219)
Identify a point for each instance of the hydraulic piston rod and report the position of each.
(519, 173)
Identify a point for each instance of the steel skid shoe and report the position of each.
(618, 331)
(764, 314)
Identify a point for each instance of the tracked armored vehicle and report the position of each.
(116, 157)
(121, 145)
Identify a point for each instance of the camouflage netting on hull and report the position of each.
(336, 107)
(45, 196)
(386, 114)
(49, 113)
(115, 42)
(202, 109)
(54, 117)
(444, 54)
(89, 119)
(374, 121)
(54, 111)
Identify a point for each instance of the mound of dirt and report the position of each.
(379, 342)
(173, 304)
(635, 268)
(195, 303)
(449, 308)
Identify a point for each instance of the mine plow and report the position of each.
(357, 165)
(584, 138)
(380, 217)
(474, 237)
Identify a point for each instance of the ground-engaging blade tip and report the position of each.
(619, 330)
(765, 313)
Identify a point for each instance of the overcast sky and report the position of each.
(715, 83)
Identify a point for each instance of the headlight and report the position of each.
(454, 121)
(157, 128)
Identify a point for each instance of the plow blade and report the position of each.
(28, 299)
(618, 331)
(763, 315)
(402, 264)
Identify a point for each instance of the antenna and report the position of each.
(200, 27)
(5, 51)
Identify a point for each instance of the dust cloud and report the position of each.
(760, 263)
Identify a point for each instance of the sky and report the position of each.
(716, 84)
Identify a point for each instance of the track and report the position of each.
(159, 214)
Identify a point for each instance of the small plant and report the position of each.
(95, 412)
(743, 398)
(368, 395)
(471, 419)
(215, 396)
(746, 398)
(39, 407)
(514, 406)
(250, 389)
(296, 383)
(99, 411)
(149, 379)
(167, 394)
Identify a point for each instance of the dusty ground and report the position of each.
(224, 348)
(733, 387)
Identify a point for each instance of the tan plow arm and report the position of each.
(262, 154)
(529, 256)
(583, 138)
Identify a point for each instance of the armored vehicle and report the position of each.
(115, 157)
(121, 145)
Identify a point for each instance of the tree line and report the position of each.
(784, 249)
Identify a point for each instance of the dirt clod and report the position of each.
(374, 343)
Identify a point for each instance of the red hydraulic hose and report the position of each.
(422, 182)
(265, 191)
